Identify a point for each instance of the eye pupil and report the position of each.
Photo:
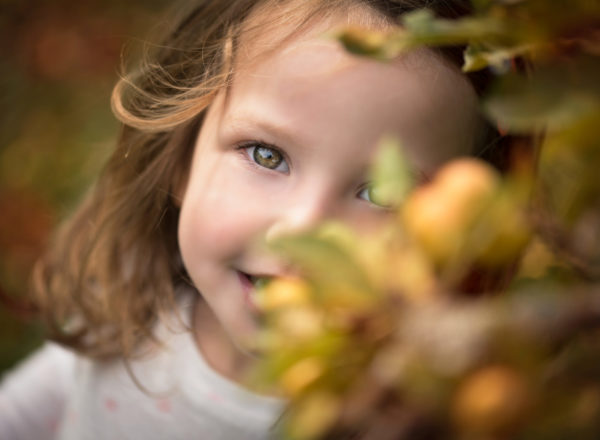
(267, 157)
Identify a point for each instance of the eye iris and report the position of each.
(267, 157)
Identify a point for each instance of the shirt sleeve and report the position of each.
(33, 396)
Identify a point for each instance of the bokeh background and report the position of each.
(59, 60)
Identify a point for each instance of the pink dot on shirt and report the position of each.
(163, 405)
(53, 425)
(111, 404)
(72, 416)
(215, 397)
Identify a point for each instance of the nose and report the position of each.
(300, 214)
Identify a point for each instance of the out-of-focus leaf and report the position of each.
(392, 174)
(550, 99)
(313, 415)
(570, 160)
(361, 41)
(328, 265)
(423, 28)
(569, 192)
(496, 58)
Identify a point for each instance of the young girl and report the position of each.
(247, 122)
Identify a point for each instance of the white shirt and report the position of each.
(58, 395)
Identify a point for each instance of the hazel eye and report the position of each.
(267, 157)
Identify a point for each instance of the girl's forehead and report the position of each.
(301, 46)
(308, 29)
(268, 29)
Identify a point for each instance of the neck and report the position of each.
(215, 345)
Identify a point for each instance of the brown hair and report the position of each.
(114, 265)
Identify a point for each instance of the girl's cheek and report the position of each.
(219, 225)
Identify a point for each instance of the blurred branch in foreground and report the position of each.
(476, 315)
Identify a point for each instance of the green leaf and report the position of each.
(392, 174)
(422, 21)
(423, 28)
(477, 58)
(551, 98)
(325, 262)
(364, 42)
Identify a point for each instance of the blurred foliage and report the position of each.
(476, 313)
(58, 63)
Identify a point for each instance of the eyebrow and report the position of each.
(281, 132)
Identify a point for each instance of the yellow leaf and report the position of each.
(314, 415)
(300, 375)
(299, 323)
(283, 292)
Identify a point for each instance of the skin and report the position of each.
(324, 111)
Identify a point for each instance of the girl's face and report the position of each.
(290, 144)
